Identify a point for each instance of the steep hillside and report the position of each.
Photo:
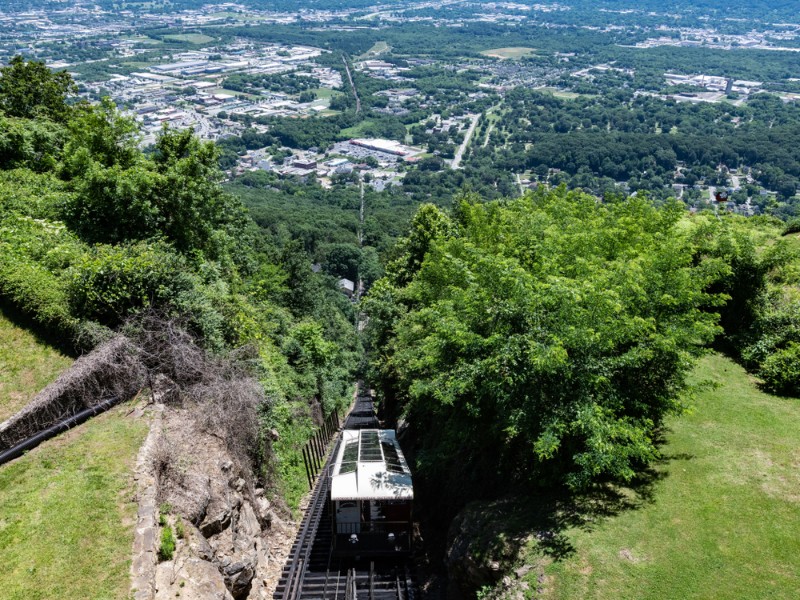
(26, 366)
(68, 511)
(723, 515)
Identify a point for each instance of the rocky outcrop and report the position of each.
(222, 524)
(194, 578)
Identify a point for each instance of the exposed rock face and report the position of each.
(225, 523)
(481, 546)
(191, 578)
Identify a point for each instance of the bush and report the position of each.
(112, 282)
(792, 226)
(167, 549)
(31, 256)
(781, 371)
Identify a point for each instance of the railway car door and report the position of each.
(348, 516)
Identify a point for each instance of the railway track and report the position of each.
(313, 573)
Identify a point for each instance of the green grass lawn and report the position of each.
(724, 517)
(26, 366)
(377, 49)
(357, 130)
(563, 94)
(192, 38)
(326, 92)
(67, 515)
(238, 16)
(512, 52)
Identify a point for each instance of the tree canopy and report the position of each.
(544, 338)
(29, 89)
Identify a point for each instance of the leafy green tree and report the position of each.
(195, 213)
(32, 144)
(121, 196)
(552, 332)
(429, 223)
(29, 89)
(100, 133)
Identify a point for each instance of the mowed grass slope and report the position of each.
(67, 512)
(26, 366)
(509, 53)
(724, 522)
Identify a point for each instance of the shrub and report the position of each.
(792, 226)
(31, 254)
(781, 371)
(167, 549)
(112, 282)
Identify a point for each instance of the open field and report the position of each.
(358, 130)
(377, 49)
(326, 92)
(723, 520)
(67, 513)
(509, 53)
(561, 93)
(192, 38)
(237, 16)
(26, 366)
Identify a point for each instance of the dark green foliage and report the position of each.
(111, 282)
(122, 196)
(289, 83)
(781, 371)
(34, 145)
(792, 226)
(599, 141)
(541, 339)
(94, 232)
(28, 89)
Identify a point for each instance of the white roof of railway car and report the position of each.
(384, 478)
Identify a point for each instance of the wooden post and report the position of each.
(319, 450)
(308, 470)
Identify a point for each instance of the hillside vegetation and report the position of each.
(96, 234)
(558, 336)
(556, 332)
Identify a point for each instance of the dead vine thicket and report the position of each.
(220, 392)
(112, 370)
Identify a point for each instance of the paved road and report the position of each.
(460, 152)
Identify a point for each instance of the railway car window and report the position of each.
(370, 448)
(350, 457)
(392, 459)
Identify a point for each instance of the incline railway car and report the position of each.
(371, 495)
